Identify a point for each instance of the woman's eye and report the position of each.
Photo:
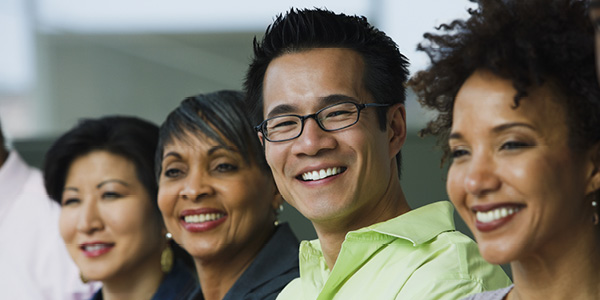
(511, 145)
(70, 201)
(172, 173)
(458, 153)
(224, 167)
(111, 195)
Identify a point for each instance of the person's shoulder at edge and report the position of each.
(50, 270)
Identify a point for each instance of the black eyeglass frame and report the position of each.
(261, 127)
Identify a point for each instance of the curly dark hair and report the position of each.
(386, 69)
(528, 42)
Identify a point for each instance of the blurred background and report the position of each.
(63, 60)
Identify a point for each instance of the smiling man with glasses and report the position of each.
(327, 93)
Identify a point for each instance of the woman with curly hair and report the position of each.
(518, 107)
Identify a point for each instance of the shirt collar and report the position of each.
(418, 225)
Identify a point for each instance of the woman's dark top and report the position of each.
(178, 284)
(273, 268)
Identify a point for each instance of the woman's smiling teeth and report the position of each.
(94, 247)
(203, 218)
(496, 214)
(320, 174)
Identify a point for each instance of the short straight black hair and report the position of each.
(130, 137)
(386, 69)
(220, 116)
(304, 29)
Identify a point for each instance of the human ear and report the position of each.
(261, 138)
(396, 127)
(594, 174)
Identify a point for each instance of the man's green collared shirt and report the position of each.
(418, 255)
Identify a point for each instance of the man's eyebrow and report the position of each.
(281, 109)
(336, 98)
(323, 101)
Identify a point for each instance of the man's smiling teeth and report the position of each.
(495, 214)
(323, 173)
(202, 218)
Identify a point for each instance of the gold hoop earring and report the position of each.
(166, 257)
(83, 279)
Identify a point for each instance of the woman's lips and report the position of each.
(95, 249)
(200, 220)
(491, 218)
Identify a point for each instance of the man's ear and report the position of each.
(594, 174)
(396, 127)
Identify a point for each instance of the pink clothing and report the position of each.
(34, 263)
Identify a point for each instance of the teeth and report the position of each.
(94, 247)
(202, 218)
(323, 173)
(495, 214)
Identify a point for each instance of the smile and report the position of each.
(321, 174)
(201, 218)
(496, 214)
(96, 249)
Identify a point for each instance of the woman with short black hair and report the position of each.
(102, 174)
(219, 199)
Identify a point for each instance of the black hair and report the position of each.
(220, 116)
(304, 29)
(528, 42)
(132, 138)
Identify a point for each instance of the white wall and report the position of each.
(135, 40)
